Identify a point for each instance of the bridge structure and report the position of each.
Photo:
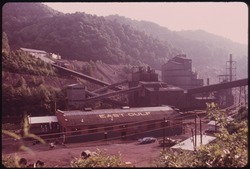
(88, 78)
(220, 86)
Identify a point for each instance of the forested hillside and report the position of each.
(33, 86)
(115, 39)
(24, 88)
(208, 51)
(86, 37)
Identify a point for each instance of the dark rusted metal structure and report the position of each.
(178, 71)
(145, 90)
(86, 77)
(220, 86)
(127, 123)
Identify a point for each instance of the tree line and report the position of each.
(85, 37)
(34, 96)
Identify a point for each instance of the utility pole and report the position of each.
(164, 129)
(193, 137)
(195, 143)
(245, 96)
(201, 130)
(240, 96)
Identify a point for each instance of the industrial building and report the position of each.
(43, 124)
(151, 105)
(125, 123)
(75, 96)
(178, 71)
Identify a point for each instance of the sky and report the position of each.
(227, 19)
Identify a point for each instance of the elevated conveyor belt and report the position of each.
(215, 87)
(107, 100)
(83, 76)
(110, 86)
(132, 89)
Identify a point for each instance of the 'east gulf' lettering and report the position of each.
(139, 114)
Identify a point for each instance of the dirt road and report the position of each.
(139, 155)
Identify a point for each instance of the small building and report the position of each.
(189, 144)
(178, 71)
(38, 54)
(35, 52)
(126, 123)
(214, 127)
(43, 124)
(75, 95)
(54, 56)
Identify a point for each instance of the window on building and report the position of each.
(42, 128)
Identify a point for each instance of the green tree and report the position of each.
(21, 83)
(229, 149)
(13, 162)
(99, 159)
(5, 43)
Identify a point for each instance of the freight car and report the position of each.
(126, 123)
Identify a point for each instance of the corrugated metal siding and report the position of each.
(42, 119)
(112, 116)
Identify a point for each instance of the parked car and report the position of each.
(147, 140)
(168, 142)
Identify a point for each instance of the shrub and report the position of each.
(229, 149)
(100, 159)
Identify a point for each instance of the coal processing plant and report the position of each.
(180, 88)
(141, 105)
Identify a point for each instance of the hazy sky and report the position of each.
(227, 19)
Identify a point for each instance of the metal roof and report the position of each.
(188, 144)
(108, 116)
(212, 122)
(42, 119)
(184, 57)
(33, 50)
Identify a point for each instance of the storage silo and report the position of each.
(75, 95)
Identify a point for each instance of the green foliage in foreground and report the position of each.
(229, 149)
(99, 159)
(9, 161)
(13, 162)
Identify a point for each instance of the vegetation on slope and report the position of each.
(86, 37)
(208, 51)
(230, 148)
(21, 97)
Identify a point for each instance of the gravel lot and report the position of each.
(140, 155)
